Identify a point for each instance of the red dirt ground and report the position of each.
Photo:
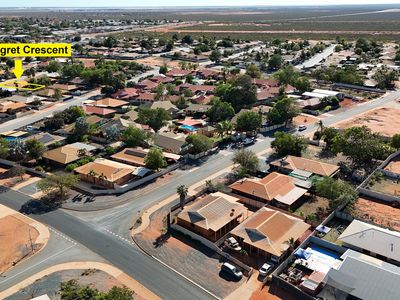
(379, 213)
(15, 241)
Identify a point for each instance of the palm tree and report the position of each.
(102, 177)
(93, 174)
(320, 126)
(182, 191)
(224, 127)
(291, 243)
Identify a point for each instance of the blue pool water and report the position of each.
(188, 128)
(324, 251)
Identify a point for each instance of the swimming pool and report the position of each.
(324, 251)
(188, 128)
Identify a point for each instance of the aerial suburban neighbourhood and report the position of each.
(245, 152)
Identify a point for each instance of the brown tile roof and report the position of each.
(299, 163)
(109, 102)
(94, 110)
(213, 211)
(178, 72)
(273, 186)
(63, 155)
(112, 170)
(269, 230)
(147, 84)
(9, 105)
(126, 93)
(64, 87)
(146, 97)
(161, 79)
(133, 156)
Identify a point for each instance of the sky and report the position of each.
(155, 3)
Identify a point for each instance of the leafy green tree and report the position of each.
(163, 69)
(155, 118)
(363, 147)
(54, 66)
(215, 55)
(302, 84)
(253, 71)
(287, 75)
(154, 159)
(275, 62)
(338, 192)
(34, 148)
(17, 150)
(82, 127)
(247, 160)
(395, 141)
(54, 123)
(187, 39)
(224, 127)
(112, 133)
(4, 148)
(133, 136)
(110, 42)
(239, 92)
(248, 121)
(385, 77)
(328, 135)
(58, 186)
(199, 143)
(220, 111)
(283, 111)
(288, 144)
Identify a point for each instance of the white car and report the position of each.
(231, 269)
(302, 127)
(233, 244)
(265, 269)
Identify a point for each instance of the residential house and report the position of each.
(167, 105)
(360, 276)
(162, 79)
(147, 85)
(11, 107)
(106, 173)
(131, 156)
(131, 115)
(213, 215)
(178, 73)
(197, 109)
(67, 154)
(290, 164)
(145, 97)
(99, 111)
(110, 103)
(372, 240)
(275, 188)
(266, 233)
(170, 142)
(46, 139)
(126, 94)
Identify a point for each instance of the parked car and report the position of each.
(232, 270)
(233, 244)
(265, 269)
(302, 127)
(249, 141)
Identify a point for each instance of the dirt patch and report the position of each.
(17, 241)
(50, 284)
(158, 61)
(379, 213)
(312, 206)
(347, 103)
(394, 166)
(262, 293)
(305, 120)
(384, 121)
(319, 154)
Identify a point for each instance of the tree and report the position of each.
(163, 69)
(220, 111)
(17, 150)
(57, 185)
(395, 141)
(110, 42)
(154, 159)
(15, 171)
(338, 192)
(215, 55)
(363, 147)
(385, 77)
(253, 71)
(155, 118)
(199, 143)
(288, 144)
(133, 136)
(112, 133)
(34, 148)
(81, 127)
(328, 135)
(4, 148)
(57, 94)
(302, 84)
(247, 160)
(187, 39)
(54, 66)
(224, 127)
(287, 75)
(291, 242)
(239, 92)
(283, 111)
(275, 62)
(248, 121)
(182, 191)
(119, 293)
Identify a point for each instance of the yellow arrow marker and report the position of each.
(18, 71)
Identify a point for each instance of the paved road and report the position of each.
(120, 253)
